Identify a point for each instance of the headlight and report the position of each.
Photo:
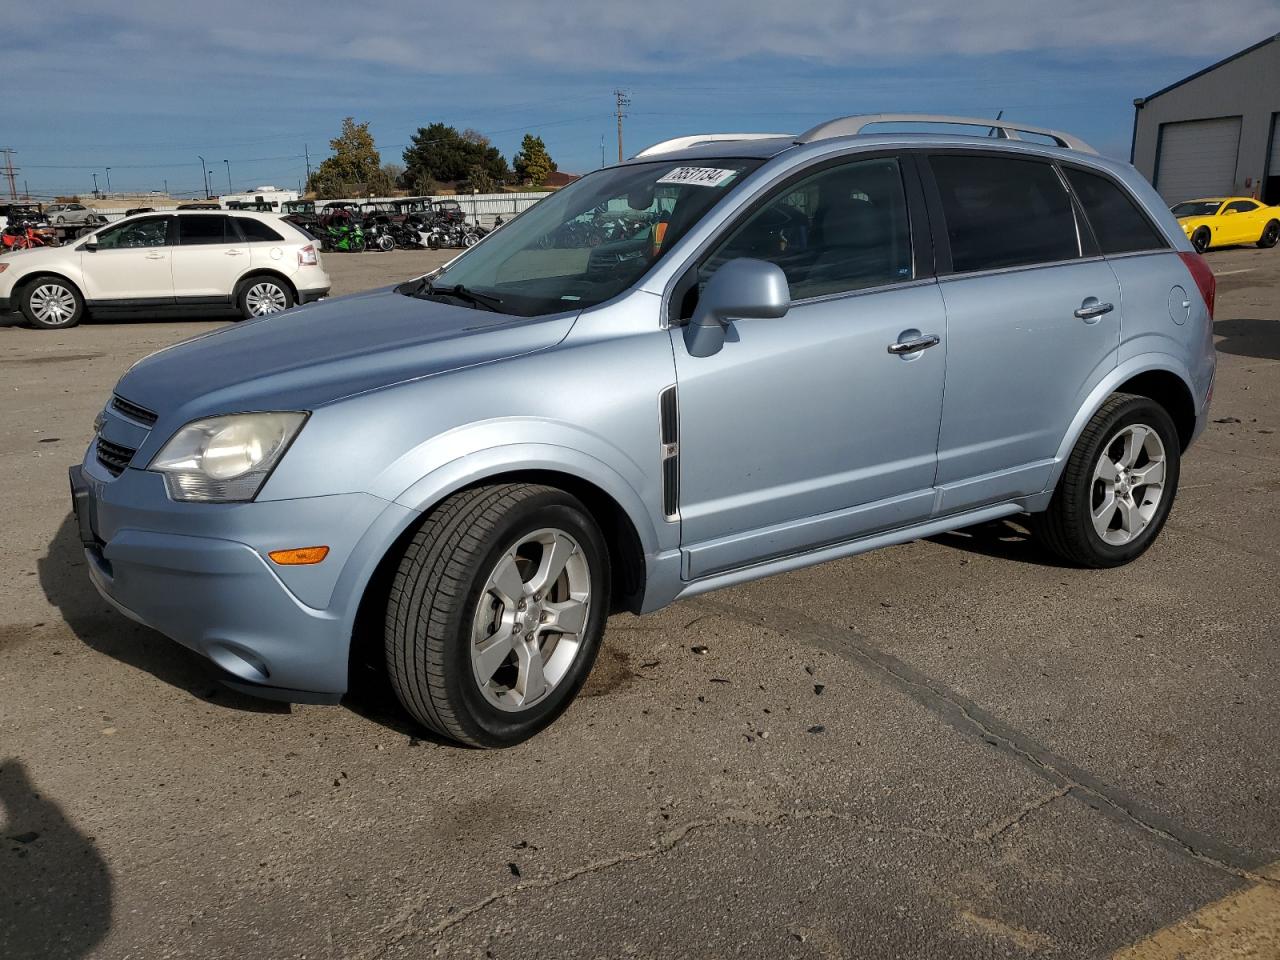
(225, 459)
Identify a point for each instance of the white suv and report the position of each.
(251, 263)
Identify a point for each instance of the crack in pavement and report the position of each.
(964, 716)
(1002, 826)
(663, 844)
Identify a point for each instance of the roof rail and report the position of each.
(679, 143)
(1004, 129)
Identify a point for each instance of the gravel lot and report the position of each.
(945, 749)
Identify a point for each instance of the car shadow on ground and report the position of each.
(1008, 539)
(57, 886)
(1259, 339)
(65, 581)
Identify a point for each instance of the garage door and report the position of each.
(1274, 169)
(1198, 159)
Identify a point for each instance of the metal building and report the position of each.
(1217, 132)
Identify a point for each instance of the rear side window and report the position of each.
(1116, 220)
(1242, 206)
(194, 230)
(256, 230)
(1004, 212)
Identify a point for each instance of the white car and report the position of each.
(61, 213)
(255, 264)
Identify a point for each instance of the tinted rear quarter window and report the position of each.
(194, 230)
(1118, 224)
(1004, 212)
(256, 231)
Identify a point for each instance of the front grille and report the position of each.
(113, 456)
(133, 411)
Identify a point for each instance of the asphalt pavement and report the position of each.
(951, 748)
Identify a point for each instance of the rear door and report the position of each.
(209, 258)
(133, 262)
(1033, 322)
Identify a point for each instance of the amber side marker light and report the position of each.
(300, 556)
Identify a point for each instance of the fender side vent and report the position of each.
(669, 422)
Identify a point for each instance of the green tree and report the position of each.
(438, 153)
(354, 168)
(533, 164)
(478, 179)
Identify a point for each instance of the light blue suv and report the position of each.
(731, 356)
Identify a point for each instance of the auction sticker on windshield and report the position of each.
(699, 176)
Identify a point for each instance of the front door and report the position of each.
(1033, 325)
(807, 430)
(209, 258)
(133, 261)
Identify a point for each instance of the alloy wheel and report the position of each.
(1128, 484)
(528, 624)
(265, 298)
(53, 304)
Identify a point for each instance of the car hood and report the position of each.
(325, 351)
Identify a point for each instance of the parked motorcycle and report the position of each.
(341, 231)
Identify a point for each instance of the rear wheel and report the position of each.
(1270, 234)
(263, 296)
(51, 303)
(496, 612)
(1201, 239)
(1118, 485)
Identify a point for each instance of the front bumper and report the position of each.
(198, 574)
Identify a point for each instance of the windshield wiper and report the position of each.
(425, 288)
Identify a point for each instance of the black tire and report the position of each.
(1066, 527)
(250, 287)
(60, 220)
(1270, 234)
(1201, 239)
(35, 290)
(433, 599)
(385, 243)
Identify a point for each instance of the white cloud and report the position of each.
(504, 35)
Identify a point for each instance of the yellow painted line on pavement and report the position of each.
(1242, 926)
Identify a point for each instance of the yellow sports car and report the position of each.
(1222, 221)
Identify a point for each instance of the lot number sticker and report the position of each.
(699, 176)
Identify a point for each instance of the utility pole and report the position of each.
(108, 181)
(623, 102)
(228, 163)
(10, 171)
(95, 184)
(602, 149)
(204, 172)
(306, 152)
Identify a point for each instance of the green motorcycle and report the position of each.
(342, 233)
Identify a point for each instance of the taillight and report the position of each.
(1203, 277)
(307, 256)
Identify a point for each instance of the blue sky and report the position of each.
(147, 87)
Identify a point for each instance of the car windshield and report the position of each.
(1197, 208)
(593, 239)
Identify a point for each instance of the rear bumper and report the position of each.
(310, 296)
(6, 305)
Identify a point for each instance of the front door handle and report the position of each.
(155, 256)
(233, 253)
(1093, 308)
(915, 344)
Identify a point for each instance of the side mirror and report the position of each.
(1227, 213)
(742, 289)
(89, 245)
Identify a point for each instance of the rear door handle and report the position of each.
(915, 344)
(1092, 308)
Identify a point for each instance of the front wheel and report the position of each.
(1270, 234)
(263, 296)
(496, 612)
(51, 303)
(385, 243)
(1118, 485)
(1201, 239)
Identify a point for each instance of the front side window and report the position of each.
(844, 228)
(1004, 212)
(590, 241)
(1118, 224)
(197, 230)
(147, 232)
